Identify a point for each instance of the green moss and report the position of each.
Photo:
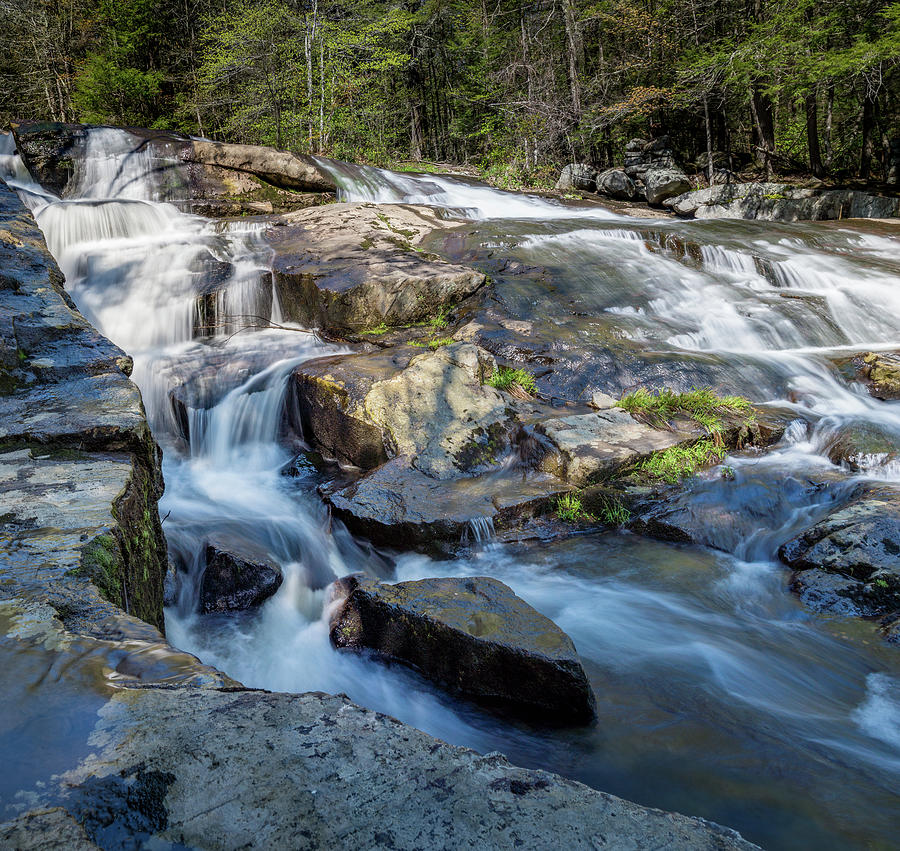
(377, 329)
(515, 381)
(101, 562)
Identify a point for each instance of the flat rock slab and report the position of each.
(397, 505)
(313, 771)
(346, 267)
(473, 636)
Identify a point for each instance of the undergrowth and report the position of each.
(434, 343)
(613, 512)
(519, 381)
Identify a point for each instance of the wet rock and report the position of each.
(863, 446)
(597, 445)
(615, 183)
(881, 372)
(860, 543)
(577, 176)
(399, 506)
(281, 169)
(78, 457)
(349, 267)
(472, 636)
(268, 763)
(664, 183)
(46, 830)
(781, 202)
(833, 593)
(211, 178)
(236, 579)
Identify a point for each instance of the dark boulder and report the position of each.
(472, 636)
(863, 445)
(577, 176)
(664, 183)
(233, 582)
(615, 183)
(860, 545)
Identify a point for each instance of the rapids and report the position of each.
(719, 694)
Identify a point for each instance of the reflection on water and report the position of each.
(718, 694)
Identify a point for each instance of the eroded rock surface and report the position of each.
(849, 563)
(349, 267)
(473, 636)
(313, 771)
(779, 202)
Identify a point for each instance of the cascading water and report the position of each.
(718, 694)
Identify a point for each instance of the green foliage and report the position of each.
(377, 330)
(702, 405)
(434, 343)
(514, 381)
(678, 462)
(613, 512)
(570, 510)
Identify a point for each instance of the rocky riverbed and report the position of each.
(469, 390)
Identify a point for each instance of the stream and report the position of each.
(718, 694)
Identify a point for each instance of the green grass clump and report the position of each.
(377, 329)
(432, 344)
(674, 464)
(570, 509)
(516, 381)
(702, 405)
(439, 321)
(614, 513)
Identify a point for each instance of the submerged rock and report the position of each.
(863, 446)
(472, 636)
(235, 579)
(349, 267)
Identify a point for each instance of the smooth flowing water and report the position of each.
(718, 694)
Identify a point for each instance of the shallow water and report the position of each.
(719, 695)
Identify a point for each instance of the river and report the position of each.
(719, 695)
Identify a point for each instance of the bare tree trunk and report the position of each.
(710, 169)
(573, 51)
(812, 135)
(761, 108)
(829, 118)
(867, 150)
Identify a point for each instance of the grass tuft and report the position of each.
(570, 509)
(377, 329)
(674, 464)
(613, 512)
(518, 382)
(434, 343)
(702, 405)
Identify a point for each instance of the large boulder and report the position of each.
(642, 156)
(236, 578)
(664, 183)
(354, 267)
(781, 202)
(473, 636)
(863, 446)
(580, 177)
(615, 183)
(209, 178)
(849, 562)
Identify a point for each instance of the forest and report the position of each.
(512, 88)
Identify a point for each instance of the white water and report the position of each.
(719, 695)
